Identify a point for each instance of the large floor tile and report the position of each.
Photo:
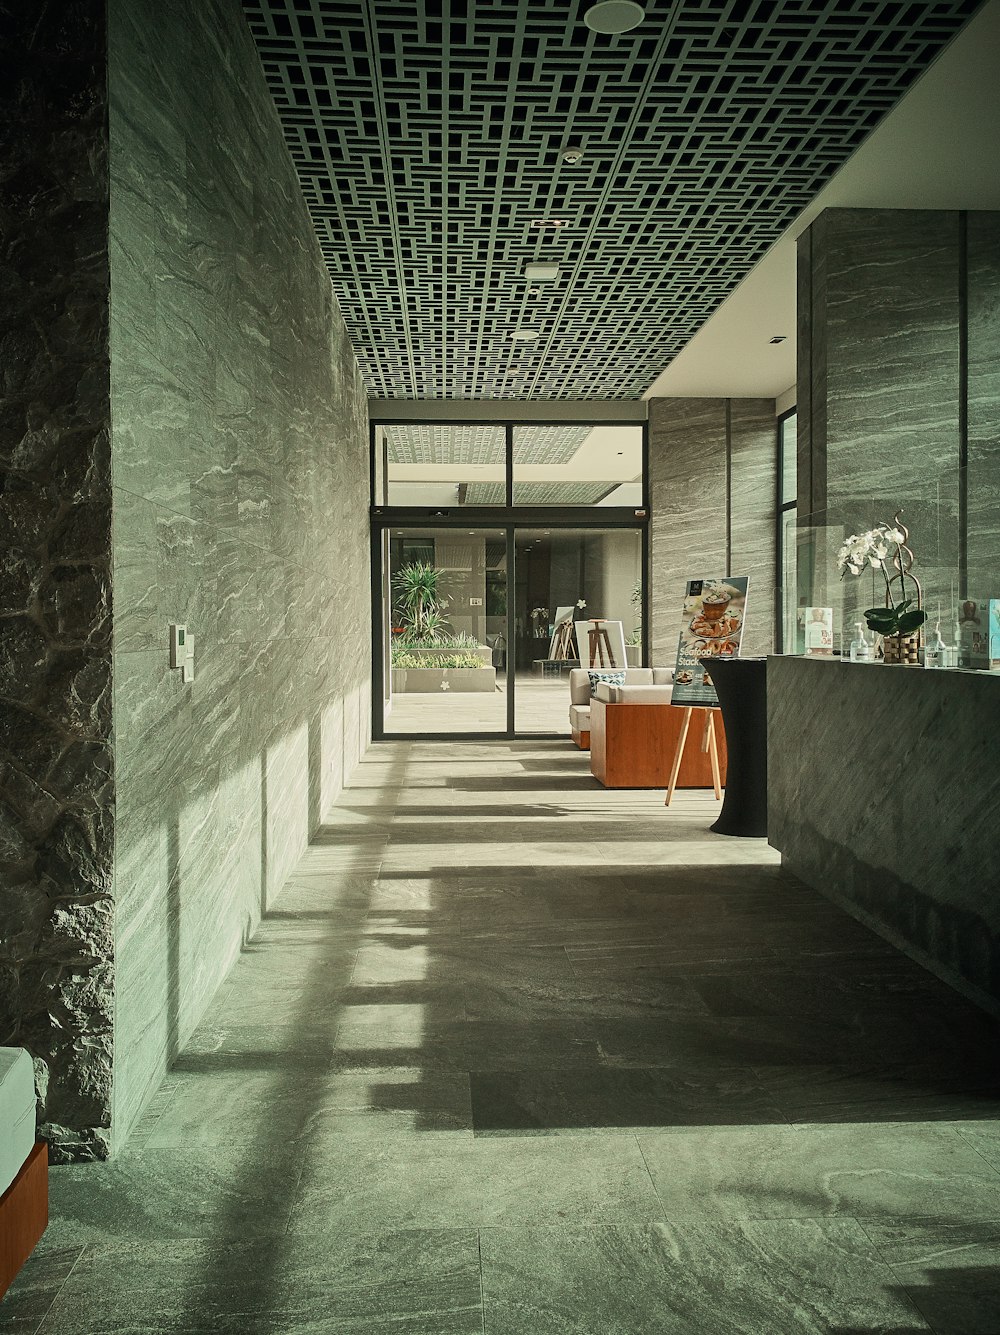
(27, 1301)
(227, 1191)
(422, 1283)
(894, 1171)
(578, 1102)
(950, 1271)
(773, 1277)
(448, 1181)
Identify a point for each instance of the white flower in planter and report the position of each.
(446, 686)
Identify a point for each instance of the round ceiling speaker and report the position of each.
(614, 16)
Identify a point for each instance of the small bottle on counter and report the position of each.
(936, 652)
(862, 649)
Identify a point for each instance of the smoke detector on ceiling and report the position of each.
(614, 16)
(572, 155)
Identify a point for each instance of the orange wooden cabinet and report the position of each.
(632, 746)
(24, 1214)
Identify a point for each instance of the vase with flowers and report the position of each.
(898, 622)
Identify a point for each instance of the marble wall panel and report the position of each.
(753, 444)
(883, 431)
(56, 764)
(916, 855)
(712, 485)
(983, 480)
(241, 479)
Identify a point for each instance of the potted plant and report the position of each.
(419, 600)
(898, 622)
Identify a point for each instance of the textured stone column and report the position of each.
(899, 388)
(713, 496)
(56, 771)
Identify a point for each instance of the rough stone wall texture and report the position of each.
(712, 487)
(56, 770)
(883, 428)
(240, 449)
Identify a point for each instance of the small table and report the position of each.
(741, 685)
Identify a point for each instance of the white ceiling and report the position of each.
(939, 149)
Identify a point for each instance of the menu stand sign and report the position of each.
(712, 626)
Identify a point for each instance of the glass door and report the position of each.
(445, 628)
(566, 579)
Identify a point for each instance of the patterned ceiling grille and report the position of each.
(447, 444)
(539, 493)
(427, 140)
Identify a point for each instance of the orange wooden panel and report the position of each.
(24, 1214)
(582, 740)
(632, 746)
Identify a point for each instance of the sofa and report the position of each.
(580, 700)
(24, 1180)
(634, 732)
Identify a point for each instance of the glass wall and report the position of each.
(563, 577)
(448, 466)
(445, 621)
(437, 464)
(792, 630)
(578, 465)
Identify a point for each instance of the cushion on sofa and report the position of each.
(17, 1112)
(579, 718)
(597, 675)
(641, 695)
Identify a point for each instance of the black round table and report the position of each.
(741, 685)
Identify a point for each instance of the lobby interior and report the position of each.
(359, 1008)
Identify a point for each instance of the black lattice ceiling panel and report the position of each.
(428, 141)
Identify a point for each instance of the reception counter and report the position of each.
(884, 794)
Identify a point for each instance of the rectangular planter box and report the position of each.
(432, 679)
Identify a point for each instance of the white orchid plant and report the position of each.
(881, 548)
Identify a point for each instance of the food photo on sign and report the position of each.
(711, 627)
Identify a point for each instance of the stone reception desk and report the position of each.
(884, 794)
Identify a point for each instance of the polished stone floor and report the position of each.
(541, 705)
(512, 1054)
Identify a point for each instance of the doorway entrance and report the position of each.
(478, 625)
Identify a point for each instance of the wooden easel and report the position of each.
(708, 743)
(598, 645)
(562, 642)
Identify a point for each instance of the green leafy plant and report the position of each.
(457, 659)
(419, 601)
(409, 639)
(902, 619)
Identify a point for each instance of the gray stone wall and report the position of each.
(887, 300)
(240, 509)
(983, 537)
(56, 769)
(713, 497)
(917, 858)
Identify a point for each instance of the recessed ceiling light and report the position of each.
(572, 155)
(614, 16)
(547, 222)
(525, 335)
(541, 273)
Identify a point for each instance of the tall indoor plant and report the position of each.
(898, 622)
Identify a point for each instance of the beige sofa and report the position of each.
(579, 695)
